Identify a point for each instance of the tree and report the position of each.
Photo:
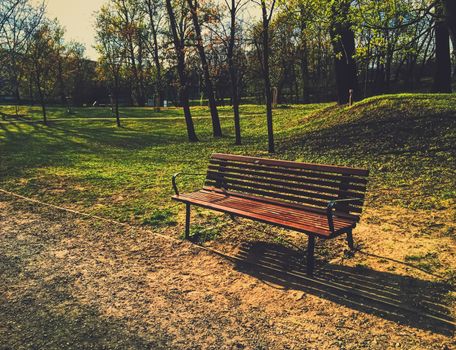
(263, 48)
(449, 7)
(266, 15)
(442, 77)
(209, 87)
(234, 7)
(304, 51)
(128, 18)
(178, 37)
(42, 54)
(153, 8)
(112, 54)
(18, 23)
(7, 8)
(79, 73)
(343, 40)
(228, 40)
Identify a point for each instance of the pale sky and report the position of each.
(77, 16)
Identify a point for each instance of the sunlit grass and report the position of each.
(406, 140)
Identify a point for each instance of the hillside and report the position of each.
(408, 142)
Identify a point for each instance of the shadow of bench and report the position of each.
(406, 300)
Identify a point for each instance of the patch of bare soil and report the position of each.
(77, 283)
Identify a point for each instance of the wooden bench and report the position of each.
(322, 201)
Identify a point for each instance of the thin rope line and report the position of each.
(85, 214)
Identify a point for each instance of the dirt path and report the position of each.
(77, 283)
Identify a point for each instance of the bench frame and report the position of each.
(331, 205)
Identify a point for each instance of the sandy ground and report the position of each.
(70, 282)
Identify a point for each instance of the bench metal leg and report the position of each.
(310, 254)
(350, 240)
(187, 221)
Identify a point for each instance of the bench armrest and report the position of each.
(330, 207)
(176, 190)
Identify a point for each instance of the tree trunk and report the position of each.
(442, 77)
(183, 89)
(156, 58)
(304, 58)
(41, 96)
(136, 83)
(267, 80)
(343, 41)
(60, 83)
(116, 99)
(216, 128)
(233, 73)
(450, 21)
(43, 109)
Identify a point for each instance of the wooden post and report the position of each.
(310, 255)
(350, 97)
(187, 221)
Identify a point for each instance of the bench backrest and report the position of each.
(292, 184)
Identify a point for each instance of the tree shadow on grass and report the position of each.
(405, 300)
(35, 146)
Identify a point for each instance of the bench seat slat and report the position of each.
(284, 196)
(286, 204)
(296, 219)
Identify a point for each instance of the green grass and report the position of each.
(125, 173)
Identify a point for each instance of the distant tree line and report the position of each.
(230, 51)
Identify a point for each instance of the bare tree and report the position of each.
(7, 8)
(209, 87)
(17, 25)
(178, 36)
(42, 54)
(112, 54)
(153, 8)
(234, 6)
(267, 10)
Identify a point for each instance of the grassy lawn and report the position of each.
(406, 140)
(93, 165)
(406, 239)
